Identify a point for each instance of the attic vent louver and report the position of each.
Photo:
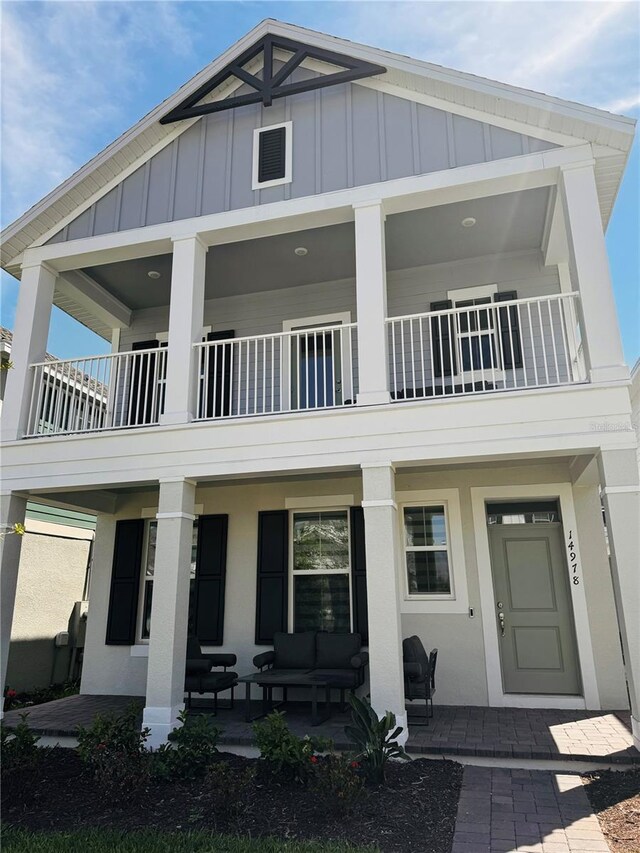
(274, 83)
(271, 162)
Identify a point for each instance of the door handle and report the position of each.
(501, 621)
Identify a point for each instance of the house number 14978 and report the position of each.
(573, 559)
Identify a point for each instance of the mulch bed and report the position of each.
(615, 798)
(414, 811)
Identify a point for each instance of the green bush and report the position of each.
(21, 757)
(285, 755)
(375, 738)
(113, 748)
(338, 784)
(191, 749)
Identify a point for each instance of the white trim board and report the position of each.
(459, 601)
(497, 697)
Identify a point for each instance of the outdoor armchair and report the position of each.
(419, 676)
(199, 677)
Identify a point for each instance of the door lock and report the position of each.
(501, 621)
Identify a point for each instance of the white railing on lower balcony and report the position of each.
(102, 392)
(312, 368)
(489, 346)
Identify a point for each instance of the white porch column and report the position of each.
(31, 329)
(12, 510)
(169, 609)
(589, 267)
(371, 299)
(186, 314)
(383, 600)
(621, 492)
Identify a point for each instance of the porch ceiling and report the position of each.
(505, 223)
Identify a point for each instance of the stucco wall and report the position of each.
(461, 665)
(51, 576)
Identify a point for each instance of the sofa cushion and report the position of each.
(294, 651)
(334, 651)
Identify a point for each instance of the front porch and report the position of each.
(489, 733)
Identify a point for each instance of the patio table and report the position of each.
(298, 678)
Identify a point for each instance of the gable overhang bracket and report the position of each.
(272, 86)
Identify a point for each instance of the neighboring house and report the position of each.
(364, 360)
(47, 633)
(635, 403)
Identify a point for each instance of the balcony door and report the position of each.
(316, 363)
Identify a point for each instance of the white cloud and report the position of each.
(581, 51)
(71, 73)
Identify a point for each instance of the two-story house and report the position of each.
(365, 373)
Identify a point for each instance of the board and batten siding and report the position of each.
(343, 136)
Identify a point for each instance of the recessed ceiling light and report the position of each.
(468, 222)
(153, 274)
(301, 251)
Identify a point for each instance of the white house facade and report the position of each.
(365, 374)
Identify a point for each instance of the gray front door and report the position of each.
(533, 609)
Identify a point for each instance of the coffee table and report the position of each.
(294, 678)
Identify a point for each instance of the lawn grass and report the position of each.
(153, 841)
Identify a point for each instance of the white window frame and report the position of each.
(457, 601)
(149, 516)
(461, 295)
(340, 318)
(306, 507)
(288, 157)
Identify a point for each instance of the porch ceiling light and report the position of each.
(301, 251)
(468, 222)
(154, 274)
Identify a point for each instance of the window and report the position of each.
(475, 329)
(272, 156)
(321, 569)
(148, 568)
(426, 550)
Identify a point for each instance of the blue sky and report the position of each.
(75, 75)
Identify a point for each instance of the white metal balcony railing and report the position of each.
(497, 346)
(311, 368)
(520, 343)
(98, 393)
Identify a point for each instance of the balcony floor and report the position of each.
(518, 733)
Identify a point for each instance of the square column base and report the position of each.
(172, 418)
(373, 398)
(635, 731)
(610, 373)
(161, 722)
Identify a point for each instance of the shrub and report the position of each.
(191, 749)
(113, 748)
(338, 784)
(375, 738)
(21, 756)
(227, 791)
(286, 755)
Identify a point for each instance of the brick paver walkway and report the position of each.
(529, 811)
(487, 732)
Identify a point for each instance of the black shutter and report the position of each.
(218, 396)
(509, 330)
(211, 569)
(273, 575)
(359, 574)
(271, 154)
(125, 583)
(443, 340)
(142, 382)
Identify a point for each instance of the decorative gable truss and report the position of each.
(273, 83)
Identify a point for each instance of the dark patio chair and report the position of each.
(200, 679)
(419, 677)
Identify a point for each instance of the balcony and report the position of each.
(488, 347)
